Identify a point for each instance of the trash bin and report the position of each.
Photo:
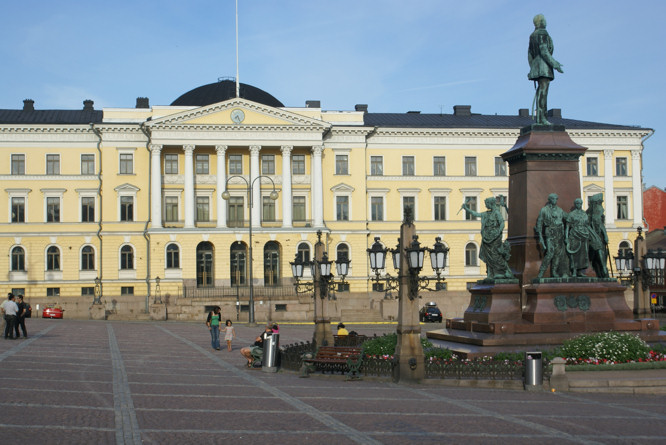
(271, 344)
(533, 370)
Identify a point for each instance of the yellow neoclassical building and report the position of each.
(126, 195)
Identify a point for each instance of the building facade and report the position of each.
(127, 195)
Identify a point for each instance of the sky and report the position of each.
(395, 56)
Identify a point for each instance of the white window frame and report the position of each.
(53, 193)
(598, 166)
(471, 193)
(203, 193)
(276, 206)
(46, 164)
(171, 193)
(81, 164)
(307, 207)
(87, 193)
(53, 274)
(18, 193)
(378, 193)
(25, 163)
(442, 193)
(412, 193)
(127, 274)
(370, 165)
(124, 151)
(127, 190)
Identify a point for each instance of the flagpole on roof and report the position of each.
(237, 81)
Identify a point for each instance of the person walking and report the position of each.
(229, 333)
(20, 317)
(213, 323)
(9, 309)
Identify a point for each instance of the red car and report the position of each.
(52, 312)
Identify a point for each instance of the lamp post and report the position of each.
(409, 360)
(97, 298)
(645, 268)
(158, 295)
(248, 188)
(321, 284)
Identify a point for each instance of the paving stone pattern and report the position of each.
(96, 382)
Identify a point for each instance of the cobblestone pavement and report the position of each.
(96, 382)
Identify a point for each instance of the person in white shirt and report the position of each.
(10, 309)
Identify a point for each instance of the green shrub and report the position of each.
(385, 346)
(618, 347)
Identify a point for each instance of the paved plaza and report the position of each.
(97, 382)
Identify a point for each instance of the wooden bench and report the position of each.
(343, 359)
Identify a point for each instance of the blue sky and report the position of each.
(395, 56)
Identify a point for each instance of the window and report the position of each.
(87, 291)
(342, 252)
(171, 208)
(592, 167)
(470, 255)
(267, 164)
(440, 208)
(126, 164)
(470, 166)
(409, 202)
(172, 256)
(87, 209)
(52, 164)
(52, 209)
(377, 208)
(171, 164)
(298, 208)
(624, 247)
(303, 252)
(341, 164)
(52, 291)
(500, 166)
(235, 164)
(127, 290)
(236, 211)
(203, 208)
(268, 209)
(298, 165)
(53, 258)
(87, 164)
(622, 207)
(18, 164)
(376, 165)
(126, 258)
(18, 290)
(439, 166)
(18, 210)
(18, 259)
(408, 166)
(620, 166)
(127, 208)
(201, 164)
(87, 258)
(342, 208)
(471, 202)
(280, 308)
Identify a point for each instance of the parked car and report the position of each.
(52, 312)
(430, 312)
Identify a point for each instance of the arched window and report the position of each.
(126, 257)
(470, 255)
(303, 252)
(342, 252)
(624, 247)
(87, 258)
(53, 258)
(173, 256)
(18, 259)
(272, 270)
(238, 262)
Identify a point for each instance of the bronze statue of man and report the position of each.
(550, 229)
(542, 64)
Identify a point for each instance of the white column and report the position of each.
(256, 189)
(636, 187)
(317, 187)
(580, 177)
(609, 194)
(189, 186)
(155, 186)
(287, 220)
(221, 184)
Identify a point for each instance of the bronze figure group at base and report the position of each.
(572, 241)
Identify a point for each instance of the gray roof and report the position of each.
(48, 117)
(417, 120)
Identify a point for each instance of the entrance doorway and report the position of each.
(238, 262)
(205, 264)
(272, 264)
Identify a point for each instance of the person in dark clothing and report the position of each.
(20, 317)
(10, 309)
(255, 353)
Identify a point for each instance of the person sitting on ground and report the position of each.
(255, 353)
(342, 330)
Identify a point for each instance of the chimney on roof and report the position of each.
(462, 110)
(28, 105)
(142, 102)
(361, 107)
(88, 105)
(524, 112)
(555, 112)
(413, 112)
(312, 104)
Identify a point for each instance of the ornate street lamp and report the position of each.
(321, 274)
(226, 196)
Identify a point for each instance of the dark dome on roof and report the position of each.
(224, 90)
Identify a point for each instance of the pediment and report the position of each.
(126, 187)
(254, 115)
(342, 188)
(593, 188)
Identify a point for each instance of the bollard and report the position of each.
(533, 370)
